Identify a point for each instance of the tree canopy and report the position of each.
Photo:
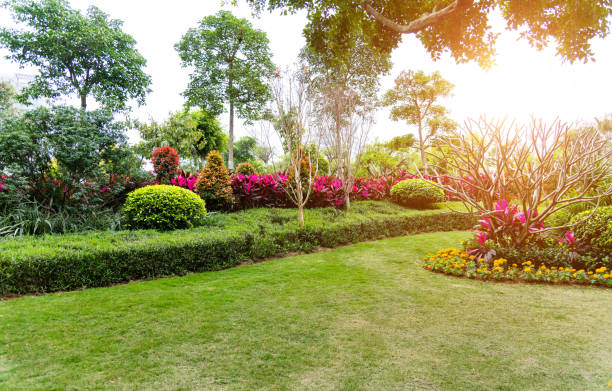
(192, 133)
(414, 99)
(76, 54)
(460, 27)
(231, 62)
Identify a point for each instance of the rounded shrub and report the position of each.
(246, 169)
(596, 232)
(163, 207)
(416, 193)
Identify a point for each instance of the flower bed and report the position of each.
(459, 263)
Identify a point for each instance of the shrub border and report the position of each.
(199, 251)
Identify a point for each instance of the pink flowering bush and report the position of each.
(185, 181)
(260, 190)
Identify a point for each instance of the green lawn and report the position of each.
(362, 317)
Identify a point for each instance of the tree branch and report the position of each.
(434, 17)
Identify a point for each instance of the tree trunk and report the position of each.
(301, 215)
(230, 154)
(230, 151)
(83, 102)
(422, 148)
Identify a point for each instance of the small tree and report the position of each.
(414, 100)
(347, 121)
(165, 163)
(214, 184)
(292, 111)
(86, 55)
(544, 168)
(231, 62)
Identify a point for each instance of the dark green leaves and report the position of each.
(76, 54)
(231, 62)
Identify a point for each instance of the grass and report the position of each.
(361, 317)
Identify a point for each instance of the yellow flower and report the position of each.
(595, 276)
(514, 265)
(527, 269)
(538, 273)
(477, 270)
(429, 267)
(560, 269)
(606, 276)
(589, 273)
(574, 275)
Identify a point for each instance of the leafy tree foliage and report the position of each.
(81, 143)
(231, 62)
(460, 27)
(414, 100)
(192, 133)
(75, 53)
(7, 95)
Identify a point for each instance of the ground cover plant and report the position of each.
(361, 317)
(73, 261)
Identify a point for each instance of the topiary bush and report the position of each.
(165, 163)
(163, 207)
(246, 169)
(417, 193)
(214, 183)
(595, 234)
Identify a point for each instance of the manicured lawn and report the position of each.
(362, 317)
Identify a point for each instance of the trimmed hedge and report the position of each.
(66, 262)
(416, 193)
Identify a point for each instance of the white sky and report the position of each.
(524, 82)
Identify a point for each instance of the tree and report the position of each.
(83, 54)
(292, 110)
(7, 95)
(244, 150)
(414, 100)
(231, 62)
(544, 167)
(192, 133)
(80, 142)
(460, 27)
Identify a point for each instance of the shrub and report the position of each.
(417, 193)
(165, 163)
(62, 262)
(163, 207)
(266, 190)
(245, 169)
(595, 234)
(214, 184)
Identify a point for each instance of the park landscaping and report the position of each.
(360, 317)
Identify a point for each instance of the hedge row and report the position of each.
(66, 262)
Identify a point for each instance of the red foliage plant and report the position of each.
(165, 163)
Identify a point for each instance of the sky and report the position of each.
(523, 83)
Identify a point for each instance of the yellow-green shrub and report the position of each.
(417, 193)
(163, 207)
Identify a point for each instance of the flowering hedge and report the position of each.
(266, 190)
(460, 263)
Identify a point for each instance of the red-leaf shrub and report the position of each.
(265, 190)
(165, 163)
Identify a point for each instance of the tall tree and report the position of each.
(75, 53)
(231, 64)
(460, 27)
(414, 100)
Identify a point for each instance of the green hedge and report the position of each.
(65, 262)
